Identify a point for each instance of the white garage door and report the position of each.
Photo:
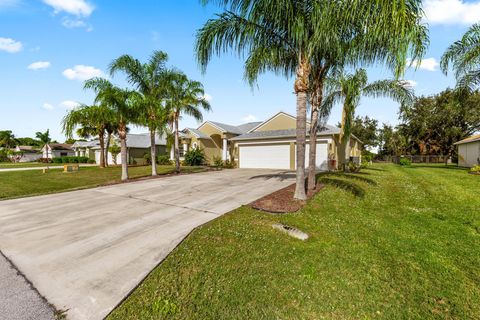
(321, 158)
(265, 156)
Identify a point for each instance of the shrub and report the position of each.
(194, 157)
(91, 161)
(404, 162)
(217, 162)
(4, 156)
(147, 157)
(353, 167)
(164, 160)
(70, 160)
(475, 169)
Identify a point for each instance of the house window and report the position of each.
(63, 154)
(181, 151)
(194, 145)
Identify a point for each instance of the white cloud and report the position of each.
(208, 97)
(39, 65)
(428, 64)
(79, 8)
(73, 23)
(249, 118)
(47, 106)
(81, 72)
(68, 104)
(410, 83)
(10, 45)
(452, 12)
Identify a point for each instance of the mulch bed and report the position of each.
(282, 200)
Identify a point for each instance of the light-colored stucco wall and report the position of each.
(469, 154)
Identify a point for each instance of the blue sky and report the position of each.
(48, 47)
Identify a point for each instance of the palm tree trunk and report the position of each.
(177, 147)
(342, 155)
(312, 159)
(123, 147)
(101, 138)
(301, 88)
(109, 136)
(153, 151)
(300, 142)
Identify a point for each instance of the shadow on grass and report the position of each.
(437, 166)
(343, 184)
(373, 169)
(355, 176)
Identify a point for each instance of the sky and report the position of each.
(49, 47)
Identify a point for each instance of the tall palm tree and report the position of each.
(186, 97)
(93, 120)
(121, 102)
(349, 88)
(45, 138)
(464, 56)
(287, 36)
(150, 79)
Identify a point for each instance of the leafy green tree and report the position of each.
(7, 139)
(27, 141)
(348, 89)
(114, 151)
(464, 57)
(45, 138)
(151, 79)
(297, 37)
(123, 106)
(366, 129)
(186, 97)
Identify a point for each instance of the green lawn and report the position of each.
(33, 182)
(389, 243)
(9, 165)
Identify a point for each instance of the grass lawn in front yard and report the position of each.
(10, 165)
(387, 243)
(17, 184)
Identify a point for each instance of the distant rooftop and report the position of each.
(475, 137)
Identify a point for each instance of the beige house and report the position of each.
(469, 151)
(268, 144)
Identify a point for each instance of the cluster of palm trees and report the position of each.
(158, 98)
(313, 41)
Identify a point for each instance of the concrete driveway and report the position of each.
(86, 250)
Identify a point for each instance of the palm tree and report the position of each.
(289, 36)
(348, 89)
(150, 79)
(93, 120)
(45, 138)
(186, 97)
(121, 103)
(464, 56)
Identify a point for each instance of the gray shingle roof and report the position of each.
(249, 126)
(328, 130)
(198, 133)
(227, 128)
(142, 140)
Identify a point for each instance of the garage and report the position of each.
(274, 156)
(277, 156)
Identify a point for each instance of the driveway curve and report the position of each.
(84, 251)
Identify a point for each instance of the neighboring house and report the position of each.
(269, 144)
(85, 148)
(137, 146)
(56, 150)
(27, 153)
(469, 151)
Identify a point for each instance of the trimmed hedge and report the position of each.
(71, 160)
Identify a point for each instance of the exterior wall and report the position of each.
(30, 157)
(210, 130)
(279, 122)
(469, 154)
(211, 149)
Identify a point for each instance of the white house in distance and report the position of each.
(469, 151)
(28, 153)
(56, 150)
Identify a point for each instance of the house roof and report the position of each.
(473, 138)
(249, 126)
(288, 133)
(226, 127)
(60, 146)
(199, 134)
(142, 140)
(86, 144)
(31, 149)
